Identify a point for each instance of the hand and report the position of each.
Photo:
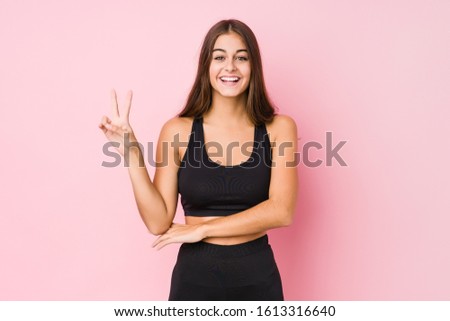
(116, 127)
(179, 233)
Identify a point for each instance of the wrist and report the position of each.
(131, 144)
(203, 228)
(133, 155)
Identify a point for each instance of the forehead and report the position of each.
(230, 42)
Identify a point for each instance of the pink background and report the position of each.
(376, 74)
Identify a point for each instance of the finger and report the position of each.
(106, 120)
(128, 103)
(162, 244)
(114, 107)
(103, 128)
(107, 123)
(158, 240)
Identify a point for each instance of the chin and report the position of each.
(230, 94)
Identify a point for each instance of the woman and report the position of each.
(230, 199)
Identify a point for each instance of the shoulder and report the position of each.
(282, 127)
(177, 126)
(175, 132)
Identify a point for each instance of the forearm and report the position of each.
(266, 215)
(150, 203)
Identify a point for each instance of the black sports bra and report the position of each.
(210, 189)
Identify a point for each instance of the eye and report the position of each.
(219, 58)
(242, 58)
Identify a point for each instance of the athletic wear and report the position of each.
(210, 189)
(242, 272)
(206, 271)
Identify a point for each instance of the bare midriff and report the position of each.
(229, 240)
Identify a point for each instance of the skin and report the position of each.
(225, 122)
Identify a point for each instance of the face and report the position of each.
(230, 70)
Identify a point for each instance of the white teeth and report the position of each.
(229, 78)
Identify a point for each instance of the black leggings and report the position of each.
(246, 271)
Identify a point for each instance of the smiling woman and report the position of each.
(230, 70)
(231, 200)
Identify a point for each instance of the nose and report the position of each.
(230, 65)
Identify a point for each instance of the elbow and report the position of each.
(287, 220)
(286, 216)
(156, 225)
(157, 229)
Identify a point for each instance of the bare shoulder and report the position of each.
(177, 126)
(282, 127)
(176, 132)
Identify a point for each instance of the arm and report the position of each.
(156, 201)
(277, 211)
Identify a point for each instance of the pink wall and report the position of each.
(374, 74)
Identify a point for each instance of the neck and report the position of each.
(227, 110)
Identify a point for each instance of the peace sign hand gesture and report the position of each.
(116, 127)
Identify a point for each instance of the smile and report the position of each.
(230, 79)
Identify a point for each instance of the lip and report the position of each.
(230, 76)
(229, 83)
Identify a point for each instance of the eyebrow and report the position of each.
(219, 49)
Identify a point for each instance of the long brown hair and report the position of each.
(258, 107)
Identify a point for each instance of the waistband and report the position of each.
(236, 250)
